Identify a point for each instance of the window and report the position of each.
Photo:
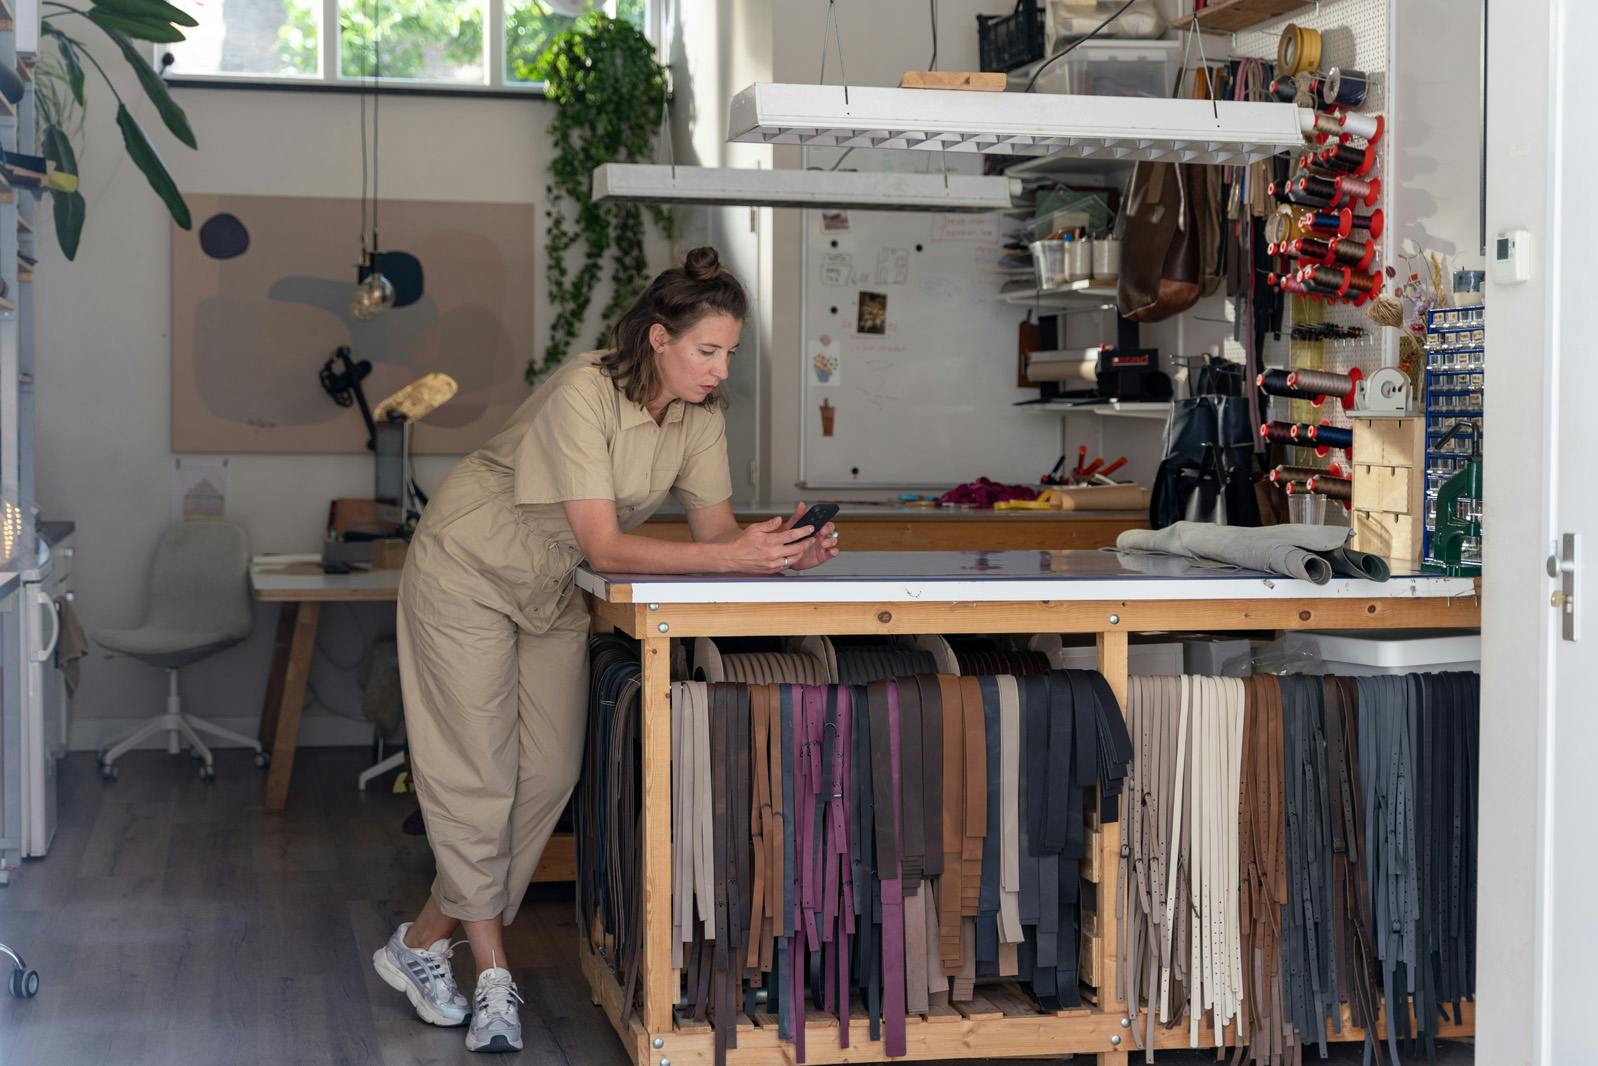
(439, 43)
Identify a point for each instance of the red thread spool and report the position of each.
(1286, 472)
(1317, 188)
(1365, 127)
(1322, 125)
(1326, 223)
(1278, 382)
(1346, 159)
(1325, 384)
(1333, 280)
(1279, 432)
(1336, 488)
(1350, 188)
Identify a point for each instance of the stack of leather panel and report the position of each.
(1301, 845)
(878, 846)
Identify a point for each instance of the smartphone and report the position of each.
(818, 515)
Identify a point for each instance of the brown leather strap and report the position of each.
(931, 691)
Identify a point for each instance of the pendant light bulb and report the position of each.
(373, 296)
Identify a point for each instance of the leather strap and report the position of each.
(883, 698)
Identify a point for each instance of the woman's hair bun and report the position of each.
(702, 264)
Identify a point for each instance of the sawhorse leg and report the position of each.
(285, 694)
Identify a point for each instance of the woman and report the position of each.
(493, 637)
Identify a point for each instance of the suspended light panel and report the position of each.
(642, 183)
(957, 120)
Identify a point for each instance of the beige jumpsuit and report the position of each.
(493, 638)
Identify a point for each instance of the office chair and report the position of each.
(198, 604)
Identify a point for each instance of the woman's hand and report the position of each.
(819, 548)
(767, 547)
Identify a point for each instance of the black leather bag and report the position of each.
(1208, 472)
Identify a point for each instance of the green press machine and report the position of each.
(1456, 541)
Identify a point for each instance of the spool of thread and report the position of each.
(1285, 473)
(1313, 249)
(1355, 254)
(1365, 127)
(1322, 383)
(1286, 192)
(1280, 383)
(1296, 488)
(1333, 280)
(1327, 223)
(1350, 188)
(1316, 188)
(1331, 436)
(1280, 433)
(1346, 159)
(1337, 488)
(1284, 89)
(1344, 86)
(1321, 125)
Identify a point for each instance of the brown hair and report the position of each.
(677, 299)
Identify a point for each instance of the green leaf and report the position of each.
(148, 10)
(138, 28)
(144, 155)
(70, 209)
(69, 60)
(58, 150)
(155, 89)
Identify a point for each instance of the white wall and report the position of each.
(104, 455)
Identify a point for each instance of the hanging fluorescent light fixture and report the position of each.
(956, 120)
(641, 183)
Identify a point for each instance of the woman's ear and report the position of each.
(658, 337)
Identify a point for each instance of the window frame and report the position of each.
(327, 78)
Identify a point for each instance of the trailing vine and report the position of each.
(609, 92)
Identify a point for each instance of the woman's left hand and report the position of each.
(816, 549)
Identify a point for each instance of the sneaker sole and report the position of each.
(396, 980)
(498, 1044)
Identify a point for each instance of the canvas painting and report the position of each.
(261, 292)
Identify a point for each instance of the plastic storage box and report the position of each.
(1114, 68)
(1380, 651)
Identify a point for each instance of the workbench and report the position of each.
(866, 528)
(1105, 595)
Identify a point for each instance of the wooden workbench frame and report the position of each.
(1007, 1029)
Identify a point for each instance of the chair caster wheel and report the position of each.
(194, 753)
(99, 757)
(263, 760)
(24, 983)
(108, 772)
(207, 773)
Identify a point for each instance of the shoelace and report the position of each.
(494, 996)
(438, 966)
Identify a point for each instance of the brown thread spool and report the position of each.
(1321, 382)
(1336, 488)
(1280, 383)
(1285, 473)
(1356, 254)
(1297, 488)
(1280, 433)
(1333, 280)
(1364, 283)
(1349, 188)
(1323, 125)
(1317, 188)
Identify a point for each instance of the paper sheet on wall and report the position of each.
(199, 489)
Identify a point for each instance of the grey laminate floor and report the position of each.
(176, 923)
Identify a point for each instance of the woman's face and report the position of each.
(693, 364)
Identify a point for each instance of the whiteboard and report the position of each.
(927, 401)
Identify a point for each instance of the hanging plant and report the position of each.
(609, 92)
(122, 22)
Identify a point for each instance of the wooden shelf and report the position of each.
(1233, 16)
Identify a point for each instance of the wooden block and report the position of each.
(1383, 488)
(1389, 441)
(685, 1024)
(1087, 961)
(1091, 866)
(942, 1013)
(978, 1006)
(1395, 536)
(985, 82)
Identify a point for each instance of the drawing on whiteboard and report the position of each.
(828, 413)
(965, 228)
(872, 316)
(837, 269)
(834, 221)
(825, 367)
(893, 266)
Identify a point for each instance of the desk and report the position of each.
(875, 529)
(297, 582)
(1104, 595)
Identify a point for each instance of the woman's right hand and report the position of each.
(765, 548)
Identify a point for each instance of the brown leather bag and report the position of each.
(1170, 236)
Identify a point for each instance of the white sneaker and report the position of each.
(496, 1015)
(424, 977)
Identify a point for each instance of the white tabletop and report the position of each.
(1017, 576)
(298, 578)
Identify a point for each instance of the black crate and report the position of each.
(1005, 42)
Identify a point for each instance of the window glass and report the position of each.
(273, 38)
(423, 40)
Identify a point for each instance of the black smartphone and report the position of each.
(818, 515)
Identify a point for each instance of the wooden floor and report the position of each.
(176, 923)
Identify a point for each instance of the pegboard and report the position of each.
(1354, 33)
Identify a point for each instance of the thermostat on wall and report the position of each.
(1512, 257)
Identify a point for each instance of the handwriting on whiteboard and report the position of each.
(965, 228)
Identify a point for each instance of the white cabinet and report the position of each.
(45, 703)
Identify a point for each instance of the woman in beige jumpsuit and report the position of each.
(493, 636)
